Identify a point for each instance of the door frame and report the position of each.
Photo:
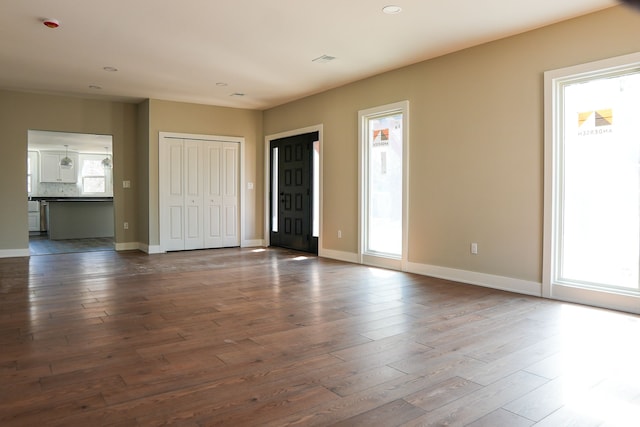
(162, 136)
(114, 194)
(267, 178)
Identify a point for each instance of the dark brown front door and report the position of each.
(293, 164)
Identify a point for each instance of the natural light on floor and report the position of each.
(595, 380)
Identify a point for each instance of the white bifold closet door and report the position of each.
(221, 188)
(199, 194)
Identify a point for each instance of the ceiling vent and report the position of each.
(324, 59)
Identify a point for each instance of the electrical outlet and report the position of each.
(126, 225)
(474, 248)
(339, 234)
(126, 184)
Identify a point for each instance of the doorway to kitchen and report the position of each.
(70, 191)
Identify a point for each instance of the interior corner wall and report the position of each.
(20, 112)
(476, 144)
(142, 174)
(178, 117)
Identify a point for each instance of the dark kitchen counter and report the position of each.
(73, 199)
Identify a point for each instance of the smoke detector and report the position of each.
(51, 23)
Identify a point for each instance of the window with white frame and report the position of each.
(95, 179)
(383, 154)
(592, 183)
(32, 170)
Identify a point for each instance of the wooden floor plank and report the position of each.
(269, 338)
(392, 414)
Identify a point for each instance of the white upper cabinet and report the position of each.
(51, 171)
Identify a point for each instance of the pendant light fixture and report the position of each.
(66, 161)
(106, 162)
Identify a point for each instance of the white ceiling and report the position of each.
(184, 50)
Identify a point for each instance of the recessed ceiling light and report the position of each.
(221, 84)
(110, 69)
(237, 94)
(392, 9)
(323, 59)
(95, 87)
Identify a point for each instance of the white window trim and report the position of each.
(363, 115)
(108, 175)
(553, 81)
(35, 170)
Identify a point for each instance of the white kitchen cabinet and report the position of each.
(34, 215)
(34, 221)
(51, 171)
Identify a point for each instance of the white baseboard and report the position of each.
(339, 255)
(156, 249)
(481, 279)
(14, 253)
(151, 249)
(463, 276)
(256, 243)
(129, 246)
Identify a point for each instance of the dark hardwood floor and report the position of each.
(271, 337)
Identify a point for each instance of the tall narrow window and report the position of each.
(274, 189)
(383, 184)
(29, 174)
(316, 189)
(594, 224)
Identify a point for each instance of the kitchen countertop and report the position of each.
(73, 199)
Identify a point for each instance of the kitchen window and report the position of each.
(32, 170)
(94, 178)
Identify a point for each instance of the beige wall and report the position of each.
(142, 146)
(476, 143)
(166, 116)
(476, 132)
(135, 145)
(20, 112)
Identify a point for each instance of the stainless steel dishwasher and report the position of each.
(44, 215)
